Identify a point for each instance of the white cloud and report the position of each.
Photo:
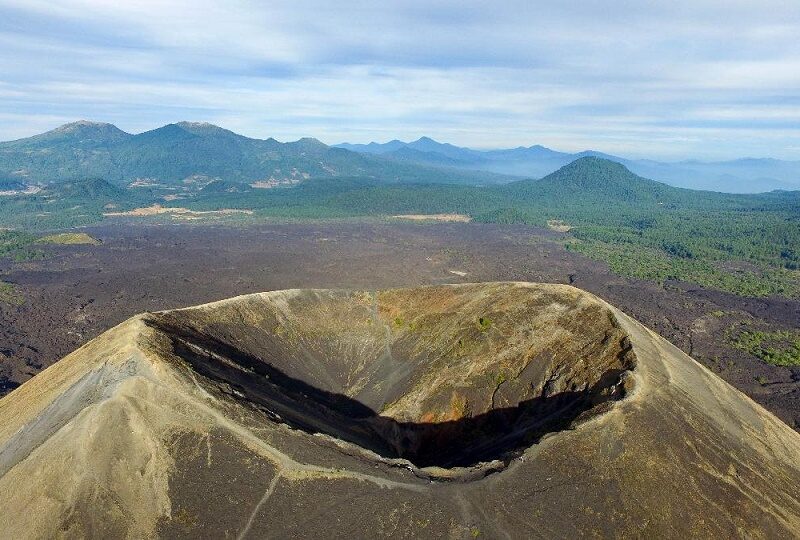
(704, 78)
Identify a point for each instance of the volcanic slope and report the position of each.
(509, 410)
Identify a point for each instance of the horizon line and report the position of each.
(421, 137)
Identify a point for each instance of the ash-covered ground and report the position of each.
(77, 292)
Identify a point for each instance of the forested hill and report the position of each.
(602, 184)
(591, 178)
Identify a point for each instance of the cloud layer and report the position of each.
(706, 79)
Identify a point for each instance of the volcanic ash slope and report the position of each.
(509, 410)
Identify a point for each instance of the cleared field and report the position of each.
(68, 239)
(157, 209)
(453, 218)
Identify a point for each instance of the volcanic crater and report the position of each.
(503, 410)
(440, 379)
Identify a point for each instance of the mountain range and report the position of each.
(190, 152)
(747, 175)
(193, 153)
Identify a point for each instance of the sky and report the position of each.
(671, 79)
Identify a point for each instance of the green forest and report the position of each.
(745, 244)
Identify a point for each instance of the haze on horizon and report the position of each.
(708, 79)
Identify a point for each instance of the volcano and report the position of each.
(511, 410)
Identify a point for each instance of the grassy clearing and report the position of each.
(558, 226)
(21, 246)
(10, 295)
(68, 239)
(644, 262)
(779, 348)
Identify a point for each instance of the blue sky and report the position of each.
(676, 79)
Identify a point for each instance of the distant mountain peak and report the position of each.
(597, 181)
(310, 142)
(204, 128)
(186, 123)
(84, 124)
(596, 161)
(592, 164)
(82, 132)
(589, 172)
(87, 126)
